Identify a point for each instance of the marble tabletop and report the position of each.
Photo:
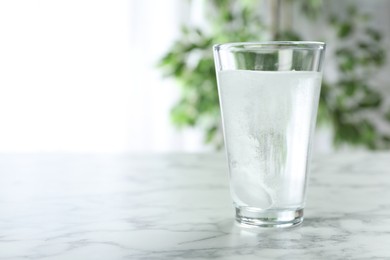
(177, 206)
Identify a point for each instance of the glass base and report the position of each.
(271, 218)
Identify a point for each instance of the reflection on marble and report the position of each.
(178, 207)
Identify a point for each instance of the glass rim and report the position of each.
(270, 45)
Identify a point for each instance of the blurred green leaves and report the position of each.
(352, 101)
(190, 62)
(347, 103)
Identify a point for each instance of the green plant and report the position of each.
(351, 101)
(344, 102)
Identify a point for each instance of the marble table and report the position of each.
(178, 206)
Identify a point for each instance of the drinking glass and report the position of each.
(269, 94)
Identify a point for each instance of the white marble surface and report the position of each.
(178, 207)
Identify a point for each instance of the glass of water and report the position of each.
(269, 94)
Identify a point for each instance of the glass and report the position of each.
(269, 94)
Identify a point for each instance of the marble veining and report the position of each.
(177, 206)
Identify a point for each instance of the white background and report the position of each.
(80, 76)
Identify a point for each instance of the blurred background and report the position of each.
(138, 76)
